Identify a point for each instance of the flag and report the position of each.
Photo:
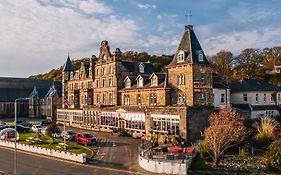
(66, 103)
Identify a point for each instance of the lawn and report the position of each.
(47, 142)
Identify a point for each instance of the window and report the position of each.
(271, 98)
(103, 71)
(222, 98)
(126, 99)
(200, 57)
(140, 82)
(110, 69)
(103, 83)
(180, 56)
(257, 98)
(110, 82)
(153, 99)
(245, 97)
(98, 98)
(110, 99)
(181, 79)
(154, 81)
(97, 83)
(128, 84)
(103, 98)
(141, 68)
(98, 72)
(202, 79)
(139, 99)
(278, 97)
(167, 123)
(264, 98)
(181, 99)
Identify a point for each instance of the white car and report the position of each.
(36, 128)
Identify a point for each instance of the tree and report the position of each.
(52, 129)
(250, 63)
(226, 130)
(222, 65)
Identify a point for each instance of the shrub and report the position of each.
(265, 131)
(275, 154)
(203, 150)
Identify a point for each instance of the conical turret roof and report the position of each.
(68, 67)
(190, 46)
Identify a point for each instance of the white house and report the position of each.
(221, 93)
(257, 97)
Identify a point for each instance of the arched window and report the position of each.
(180, 56)
(200, 56)
(181, 79)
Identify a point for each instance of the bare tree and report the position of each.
(226, 130)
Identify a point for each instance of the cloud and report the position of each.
(146, 6)
(36, 37)
(237, 41)
(83, 6)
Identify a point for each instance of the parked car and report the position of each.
(36, 128)
(3, 125)
(21, 128)
(45, 123)
(24, 123)
(69, 135)
(85, 139)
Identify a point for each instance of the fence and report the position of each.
(81, 158)
(159, 160)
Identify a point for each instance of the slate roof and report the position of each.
(68, 67)
(249, 108)
(133, 67)
(252, 85)
(11, 94)
(42, 92)
(191, 46)
(217, 82)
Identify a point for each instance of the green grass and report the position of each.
(47, 142)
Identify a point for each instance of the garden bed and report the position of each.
(47, 142)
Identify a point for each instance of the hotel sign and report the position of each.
(201, 87)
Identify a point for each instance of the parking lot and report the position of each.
(114, 151)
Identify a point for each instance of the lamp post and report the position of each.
(15, 148)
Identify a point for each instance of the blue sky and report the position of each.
(36, 35)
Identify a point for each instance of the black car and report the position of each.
(21, 128)
(24, 123)
(45, 122)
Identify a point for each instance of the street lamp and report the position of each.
(15, 148)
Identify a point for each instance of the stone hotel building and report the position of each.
(111, 94)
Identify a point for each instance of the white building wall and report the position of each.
(238, 98)
(218, 95)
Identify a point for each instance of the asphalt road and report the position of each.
(29, 164)
(115, 151)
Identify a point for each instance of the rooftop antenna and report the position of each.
(189, 15)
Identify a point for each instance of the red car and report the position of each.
(85, 139)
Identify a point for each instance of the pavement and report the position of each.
(30, 164)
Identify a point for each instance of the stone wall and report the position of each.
(197, 121)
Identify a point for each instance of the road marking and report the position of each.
(75, 163)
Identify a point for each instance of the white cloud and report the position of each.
(85, 6)
(237, 41)
(146, 6)
(36, 38)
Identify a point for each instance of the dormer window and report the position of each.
(140, 82)
(141, 68)
(128, 84)
(180, 56)
(200, 56)
(154, 81)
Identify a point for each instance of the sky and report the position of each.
(37, 35)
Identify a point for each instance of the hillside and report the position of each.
(159, 62)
